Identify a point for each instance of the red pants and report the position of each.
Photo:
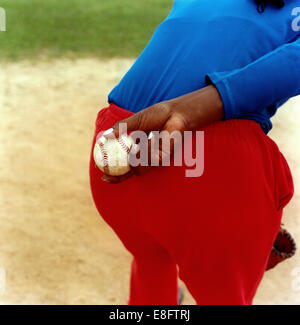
(215, 231)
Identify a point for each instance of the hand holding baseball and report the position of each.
(186, 113)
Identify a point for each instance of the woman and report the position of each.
(223, 67)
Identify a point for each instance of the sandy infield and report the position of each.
(54, 247)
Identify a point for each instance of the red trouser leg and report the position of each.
(154, 275)
(218, 228)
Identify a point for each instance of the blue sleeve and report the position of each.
(271, 79)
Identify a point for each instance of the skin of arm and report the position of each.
(189, 112)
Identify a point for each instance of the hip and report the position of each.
(237, 154)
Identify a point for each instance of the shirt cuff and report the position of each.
(218, 79)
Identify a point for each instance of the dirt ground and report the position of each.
(54, 247)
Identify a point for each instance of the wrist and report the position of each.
(200, 108)
(214, 98)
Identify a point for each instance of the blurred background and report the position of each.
(58, 61)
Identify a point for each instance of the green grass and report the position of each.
(76, 28)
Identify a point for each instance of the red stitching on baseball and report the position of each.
(105, 158)
(123, 145)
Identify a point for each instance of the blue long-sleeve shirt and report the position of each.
(252, 58)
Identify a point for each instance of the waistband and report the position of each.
(118, 111)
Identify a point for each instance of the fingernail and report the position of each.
(150, 136)
(108, 131)
(102, 140)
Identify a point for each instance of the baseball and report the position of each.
(111, 155)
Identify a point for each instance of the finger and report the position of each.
(148, 119)
(127, 125)
(163, 145)
(121, 127)
(117, 179)
(150, 153)
(109, 134)
(157, 150)
(140, 156)
(104, 135)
